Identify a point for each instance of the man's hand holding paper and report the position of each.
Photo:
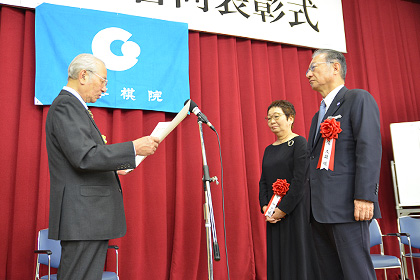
(146, 145)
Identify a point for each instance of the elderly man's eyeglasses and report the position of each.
(275, 117)
(104, 81)
(315, 64)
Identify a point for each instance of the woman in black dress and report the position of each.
(290, 250)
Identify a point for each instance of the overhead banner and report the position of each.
(307, 23)
(146, 59)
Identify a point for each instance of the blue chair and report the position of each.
(382, 261)
(410, 235)
(49, 254)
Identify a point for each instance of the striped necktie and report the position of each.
(90, 113)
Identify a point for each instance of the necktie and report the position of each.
(322, 108)
(90, 113)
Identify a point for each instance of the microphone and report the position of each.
(201, 117)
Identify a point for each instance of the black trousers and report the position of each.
(82, 260)
(343, 250)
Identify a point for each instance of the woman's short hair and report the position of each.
(287, 107)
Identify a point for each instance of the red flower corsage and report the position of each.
(330, 128)
(280, 188)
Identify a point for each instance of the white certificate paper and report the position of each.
(162, 129)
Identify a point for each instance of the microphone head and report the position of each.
(192, 105)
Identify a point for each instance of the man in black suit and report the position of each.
(343, 179)
(86, 203)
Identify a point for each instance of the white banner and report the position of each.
(308, 23)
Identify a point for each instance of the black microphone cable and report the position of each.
(223, 203)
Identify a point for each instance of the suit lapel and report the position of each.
(65, 92)
(93, 122)
(89, 114)
(335, 104)
(313, 130)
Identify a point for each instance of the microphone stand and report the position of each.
(208, 209)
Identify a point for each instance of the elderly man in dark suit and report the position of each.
(86, 203)
(344, 170)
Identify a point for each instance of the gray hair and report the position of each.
(83, 61)
(334, 56)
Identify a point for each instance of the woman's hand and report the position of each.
(276, 217)
(278, 214)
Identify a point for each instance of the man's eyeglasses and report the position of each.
(315, 64)
(104, 81)
(275, 117)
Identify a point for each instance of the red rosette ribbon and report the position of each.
(280, 188)
(330, 128)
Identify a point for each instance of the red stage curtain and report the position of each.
(233, 80)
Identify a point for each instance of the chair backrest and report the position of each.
(48, 244)
(412, 226)
(375, 233)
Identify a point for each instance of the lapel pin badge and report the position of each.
(335, 117)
